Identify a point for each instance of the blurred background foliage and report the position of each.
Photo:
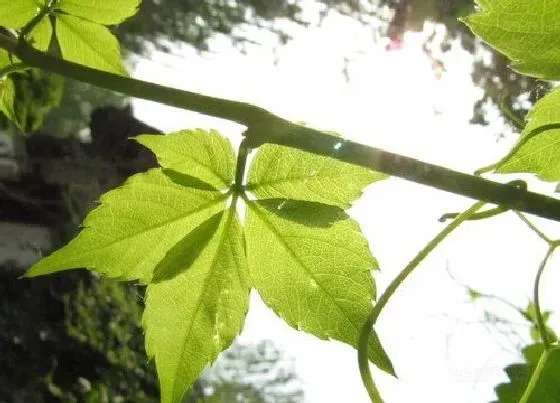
(77, 338)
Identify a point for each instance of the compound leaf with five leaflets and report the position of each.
(88, 43)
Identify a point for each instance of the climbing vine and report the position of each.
(177, 228)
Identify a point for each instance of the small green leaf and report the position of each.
(203, 154)
(528, 33)
(106, 12)
(134, 228)
(283, 172)
(7, 98)
(17, 13)
(317, 279)
(88, 43)
(190, 319)
(41, 35)
(537, 151)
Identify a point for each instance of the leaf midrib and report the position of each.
(221, 240)
(77, 33)
(167, 222)
(273, 229)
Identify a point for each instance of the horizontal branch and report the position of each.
(265, 127)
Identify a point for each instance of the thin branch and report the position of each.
(538, 313)
(265, 127)
(534, 228)
(363, 341)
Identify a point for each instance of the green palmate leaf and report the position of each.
(89, 44)
(316, 278)
(537, 151)
(279, 171)
(203, 154)
(197, 314)
(527, 32)
(101, 11)
(41, 35)
(134, 227)
(17, 13)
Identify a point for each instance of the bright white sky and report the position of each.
(393, 101)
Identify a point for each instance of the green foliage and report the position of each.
(15, 14)
(324, 286)
(176, 228)
(88, 43)
(187, 330)
(102, 12)
(172, 229)
(205, 155)
(148, 213)
(80, 28)
(279, 171)
(529, 37)
(27, 96)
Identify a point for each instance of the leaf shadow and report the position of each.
(187, 180)
(185, 252)
(308, 213)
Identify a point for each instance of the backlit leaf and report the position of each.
(283, 172)
(17, 13)
(41, 35)
(134, 228)
(203, 154)
(540, 140)
(525, 31)
(106, 12)
(88, 43)
(191, 318)
(317, 278)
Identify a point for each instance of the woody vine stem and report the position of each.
(265, 127)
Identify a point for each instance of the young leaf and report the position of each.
(101, 11)
(41, 35)
(278, 171)
(528, 35)
(89, 44)
(190, 319)
(317, 279)
(538, 150)
(17, 13)
(203, 154)
(134, 227)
